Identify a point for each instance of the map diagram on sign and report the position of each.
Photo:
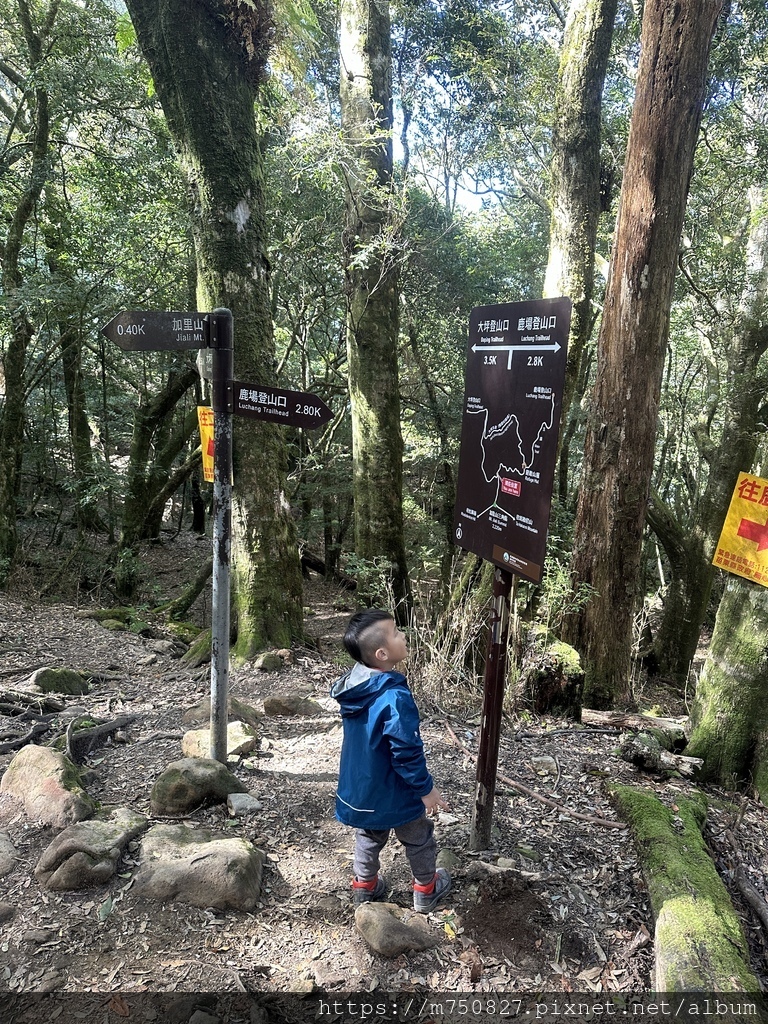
(514, 379)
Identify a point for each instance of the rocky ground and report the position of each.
(556, 904)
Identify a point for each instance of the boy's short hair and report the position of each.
(363, 634)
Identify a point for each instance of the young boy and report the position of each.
(383, 779)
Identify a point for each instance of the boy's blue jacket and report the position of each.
(383, 772)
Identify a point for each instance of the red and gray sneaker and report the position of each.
(369, 890)
(426, 897)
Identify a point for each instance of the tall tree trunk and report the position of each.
(71, 346)
(372, 289)
(146, 471)
(57, 233)
(737, 399)
(619, 451)
(730, 713)
(575, 170)
(13, 360)
(207, 59)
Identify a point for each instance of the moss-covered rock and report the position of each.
(114, 625)
(270, 661)
(699, 943)
(190, 783)
(87, 853)
(48, 785)
(292, 705)
(199, 651)
(192, 866)
(59, 680)
(187, 632)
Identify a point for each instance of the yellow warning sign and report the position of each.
(205, 419)
(743, 545)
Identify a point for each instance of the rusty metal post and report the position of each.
(221, 341)
(493, 700)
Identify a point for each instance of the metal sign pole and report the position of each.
(221, 340)
(493, 700)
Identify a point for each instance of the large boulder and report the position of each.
(190, 783)
(48, 785)
(8, 854)
(237, 710)
(390, 931)
(293, 705)
(191, 866)
(87, 853)
(241, 740)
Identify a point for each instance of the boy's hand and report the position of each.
(434, 800)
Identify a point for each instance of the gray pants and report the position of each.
(417, 838)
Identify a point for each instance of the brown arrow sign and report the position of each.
(290, 408)
(142, 331)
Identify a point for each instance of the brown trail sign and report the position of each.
(511, 421)
(290, 408)
(145, 331)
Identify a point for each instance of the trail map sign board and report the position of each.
(743, 545)
(511, 420)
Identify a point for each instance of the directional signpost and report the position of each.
(142, 331)
(291, 408)
(510, 426)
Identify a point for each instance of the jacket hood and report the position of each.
(358, 687)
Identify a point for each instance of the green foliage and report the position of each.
(560, 597)
(127, 574)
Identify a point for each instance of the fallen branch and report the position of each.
(524, 735)
(520, 788)
(37, 730)
(627, 720)
(18, 699)
(751, 895)
(80, 742)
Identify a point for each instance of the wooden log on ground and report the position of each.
(699, 944)
(671, 729)
(644, 750)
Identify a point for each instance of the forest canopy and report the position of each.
(465, 152)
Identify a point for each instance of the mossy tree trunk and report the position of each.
(208, 60)
(152, 451)
(734, 399)
(619, 447)
(576, 175)
(729, 717)
(34, 112)
(699, 940)
(372, 289)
